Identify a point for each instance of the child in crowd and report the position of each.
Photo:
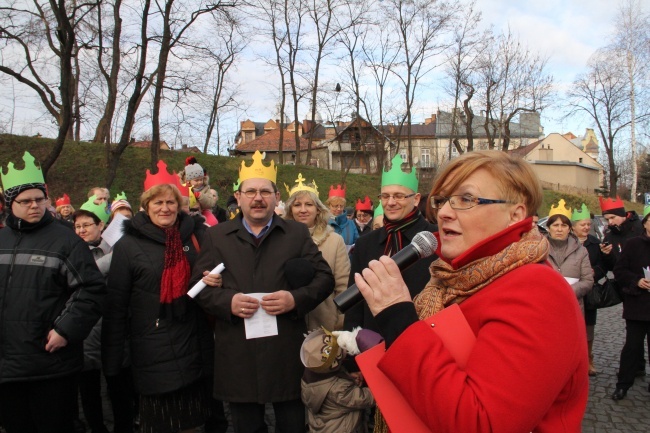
(335, 401)
(201, 201)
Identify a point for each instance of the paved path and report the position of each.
(603, 414)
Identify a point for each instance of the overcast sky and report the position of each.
(568, 31)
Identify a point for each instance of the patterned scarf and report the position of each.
(453, 286)
(175, 276)
(394, 229)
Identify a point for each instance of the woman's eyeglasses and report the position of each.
(84, 226)
(461, 202)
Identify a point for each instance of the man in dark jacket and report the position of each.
(621, 226)
(51, 295)
(255, 247)
(402, 221)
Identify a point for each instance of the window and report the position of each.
(425, 158)
(404, 155)
(358, 161)
(249, 136)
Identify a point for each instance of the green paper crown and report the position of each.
(646, 210)
(584, 214)
(235, 186)
(395, 176)
(120, 196)
(30, 174)
(379, 210)
(97, 209)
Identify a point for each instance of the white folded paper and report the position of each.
(261, 324)
(646, 273)
(115, 230)
(201, 285)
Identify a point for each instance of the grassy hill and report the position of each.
(83, 165)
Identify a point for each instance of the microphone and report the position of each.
(423, 245)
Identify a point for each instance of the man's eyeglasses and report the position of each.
(252, 193)
(84, 226)
(461, 202)
(397, 196)
(28, 202)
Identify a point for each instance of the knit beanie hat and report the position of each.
(192, 169)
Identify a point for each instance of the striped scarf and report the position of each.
(394, 242)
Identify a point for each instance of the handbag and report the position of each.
(603, 295)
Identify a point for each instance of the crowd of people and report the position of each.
(102, 292)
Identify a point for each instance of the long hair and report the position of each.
(322, 211)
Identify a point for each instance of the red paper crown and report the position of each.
(365, 205)
(336, 192)
(610, 203)
(62, 201)
(162, 177)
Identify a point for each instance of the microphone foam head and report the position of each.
(426, 244)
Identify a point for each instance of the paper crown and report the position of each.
(30, 174)
(365, 205)
(336, 192)
(162, 177)
(395, 176)
(610, 203)
(379, 210)
(300, 186)
(583, 214)
(235, 186)
(646, 210)
(120, 196)
(257, 169)
(62, 201)
(99, 210)
(560, 209)
(320, 352)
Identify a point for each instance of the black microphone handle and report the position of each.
(352, 296)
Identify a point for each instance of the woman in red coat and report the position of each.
(527, 371)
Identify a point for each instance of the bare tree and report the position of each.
(44, 35)
(229, 44)
(176, 20)
(632, 40)
(468, 43)
(421, 25)
(602, 94)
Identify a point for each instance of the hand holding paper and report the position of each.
(201, 285)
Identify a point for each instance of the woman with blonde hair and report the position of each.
(526, 318)
(304, 206)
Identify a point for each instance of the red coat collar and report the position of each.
(489, 246)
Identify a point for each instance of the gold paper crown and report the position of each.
(302, 187)
(560, 209)
(258, 170)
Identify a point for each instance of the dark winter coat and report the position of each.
(618, 237)
(167, 354)
(364, 231)
(264, 369)
(371, 247)
(628, 271)
(596, 257)
(48, 280)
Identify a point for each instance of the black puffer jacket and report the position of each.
(628, 271)
(166, 354)
(48, 280)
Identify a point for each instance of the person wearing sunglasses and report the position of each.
(51, 296)
(528, 327)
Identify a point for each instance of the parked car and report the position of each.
(598, 226)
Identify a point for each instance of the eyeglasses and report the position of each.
(397, 196)
(84, 226)
(28, 202)
(252, 193)
(337, 206)
(461, 202)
